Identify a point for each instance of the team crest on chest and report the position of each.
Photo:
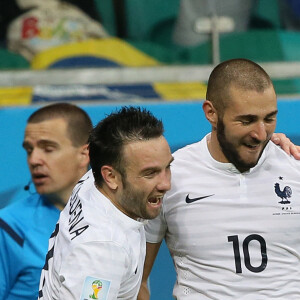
(284, 193)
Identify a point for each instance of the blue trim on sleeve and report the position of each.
(11, 232)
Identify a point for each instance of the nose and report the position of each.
(164, 183)
(259, 132)
(34, 158)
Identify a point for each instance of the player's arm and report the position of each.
(285, 143)
(151, 253)
(101, 263)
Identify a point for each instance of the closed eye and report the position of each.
(150, 174)
(28, 150)
(246, 122)
(27, 147)
(49, 149)
(270, 120)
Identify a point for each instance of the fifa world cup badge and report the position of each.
(95, 288)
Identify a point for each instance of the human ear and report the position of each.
(84, 156)
(210, 113)
(110, 177)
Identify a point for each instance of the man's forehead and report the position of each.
(142, 146)
(147, 153)
(49, 129)
(50, 124)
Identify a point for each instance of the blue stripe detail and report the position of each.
(11, 232)
(83, 61)
(96, 92)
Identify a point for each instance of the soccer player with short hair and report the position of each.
(232, 217)
(97, 250)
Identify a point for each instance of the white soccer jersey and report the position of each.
(232, 235)
(96, 251)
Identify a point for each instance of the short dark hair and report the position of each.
(108, 138)
(239, 72)
(79, 124)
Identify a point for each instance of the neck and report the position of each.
(106, 191)
(57, 201)
(111, 196)
(214, 148)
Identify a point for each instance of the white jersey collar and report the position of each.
(229, 167)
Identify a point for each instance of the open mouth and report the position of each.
(155, 201)
(38, 178)
(252, 146)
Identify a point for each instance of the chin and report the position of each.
(43, 191)
(149, 215)
(251, 160)
(245, 166)
(154, 215)
(39, 190)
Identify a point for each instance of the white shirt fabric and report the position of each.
(94, 242)
(242, 239)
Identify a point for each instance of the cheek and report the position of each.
(140, 187)
(147, 187)
(271, 128)
(236, 133)
(66, 162)
(231, 134)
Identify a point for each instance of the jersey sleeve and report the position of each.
(156, 229)
(93, 268)
(10, 256)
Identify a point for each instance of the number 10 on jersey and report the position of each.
(245, 247)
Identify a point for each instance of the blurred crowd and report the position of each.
(30, 26)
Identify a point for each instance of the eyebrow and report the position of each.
(271, 114)
(155, 168)
(26, 144)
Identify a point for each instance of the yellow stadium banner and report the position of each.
(180, 90)
(106, 51)
(11, 96)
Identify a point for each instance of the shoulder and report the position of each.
(189, 160)
(188, 150)
(87, 219)
(97, 228)
(278, 156)
(90, 217)
(21, 218)
(21, 209)
(12, 222)
(190, 154)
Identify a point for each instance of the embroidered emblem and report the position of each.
(283, 194)
(95, 288)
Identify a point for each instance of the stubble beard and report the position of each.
(230, 152)
(132, 202)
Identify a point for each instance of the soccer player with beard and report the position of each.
(232, 217)
(97, 250)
